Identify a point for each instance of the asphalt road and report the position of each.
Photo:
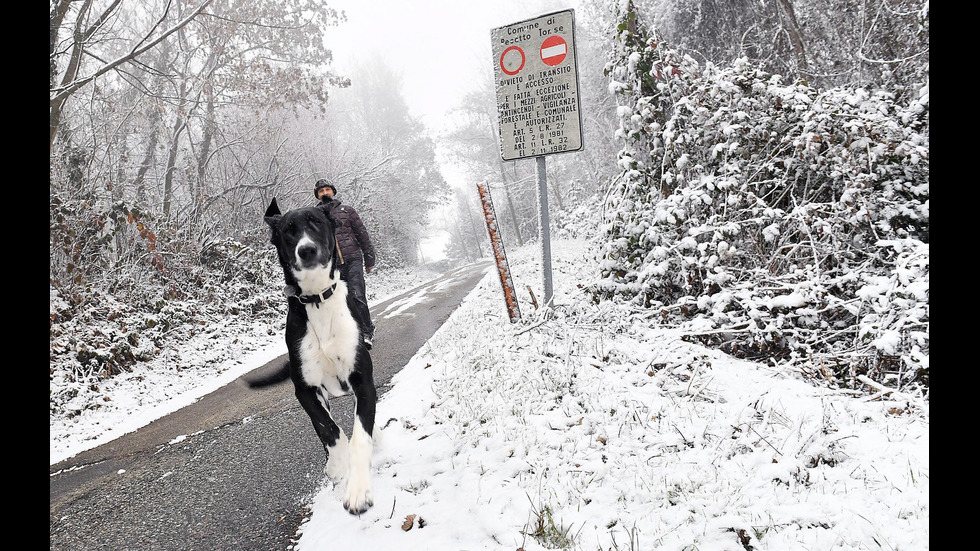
(235, 470)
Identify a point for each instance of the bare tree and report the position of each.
(81, 44)
(381, 158)
(166, 122)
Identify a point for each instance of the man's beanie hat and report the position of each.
(321, 183)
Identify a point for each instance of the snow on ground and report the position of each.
(586, 427)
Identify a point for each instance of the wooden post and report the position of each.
(503, 270)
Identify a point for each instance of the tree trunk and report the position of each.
(792, 28)
(57, 19)
(205, 147)
(461, 238)
(556, 190)
(510, 207)
(204, 154)
(151, 147)
(74, 60)
(168, 182)
(473, 226)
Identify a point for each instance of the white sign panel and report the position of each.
(538, 107)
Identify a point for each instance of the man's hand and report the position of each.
(368, 269)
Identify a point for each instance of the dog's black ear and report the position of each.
(272, 214)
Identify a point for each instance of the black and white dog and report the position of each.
(327, 355)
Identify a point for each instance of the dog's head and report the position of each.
(306, 244)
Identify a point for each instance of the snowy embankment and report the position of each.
(585, 427)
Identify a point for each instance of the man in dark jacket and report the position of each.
(355, 246)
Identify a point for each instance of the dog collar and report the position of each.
(317, 298)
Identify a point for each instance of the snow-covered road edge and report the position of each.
(580, 429)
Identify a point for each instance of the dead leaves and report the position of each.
(410, 522)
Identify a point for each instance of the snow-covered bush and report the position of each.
(122, 290)
(778, 220)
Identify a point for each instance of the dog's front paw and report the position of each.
(338, 459)
(359, 496)
(337, 465)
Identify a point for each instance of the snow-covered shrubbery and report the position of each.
(776, 220)
(121, 296)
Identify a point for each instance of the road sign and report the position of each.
(536, 74)
(553, 50)
(512, 60)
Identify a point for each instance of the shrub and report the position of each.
(782, 221)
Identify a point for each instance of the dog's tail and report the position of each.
(278, 375)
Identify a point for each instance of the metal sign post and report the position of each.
(538, 108)
(544, 229)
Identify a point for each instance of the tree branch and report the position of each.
(63, 92)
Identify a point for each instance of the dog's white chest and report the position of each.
(329, 346)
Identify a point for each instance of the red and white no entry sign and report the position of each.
(512, 60)
(553, 50)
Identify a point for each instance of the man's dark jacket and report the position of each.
(352, 236)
